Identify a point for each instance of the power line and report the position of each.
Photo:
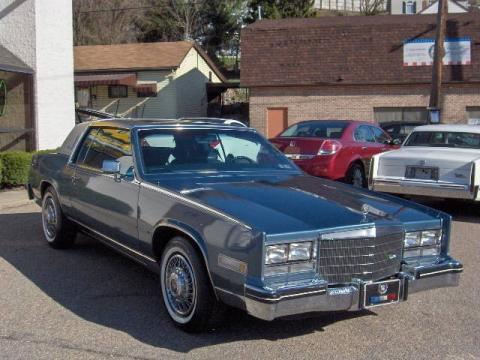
(134, 8)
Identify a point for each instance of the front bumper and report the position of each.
(422, 188)
(269, 304)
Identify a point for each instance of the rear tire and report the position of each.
(187, 293)
(59, 232)
(356, 176)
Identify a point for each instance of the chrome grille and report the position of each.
(368, 259)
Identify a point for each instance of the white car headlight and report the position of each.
(422, 243)
(290, 258)
(431, 237)
(276, 254)
(413, 239)
(300, 251)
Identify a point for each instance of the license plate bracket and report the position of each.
(381, 293)
(421, 172)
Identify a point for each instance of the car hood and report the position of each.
(284, 204)
(432, 153)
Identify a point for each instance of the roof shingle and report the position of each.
(348, 50)
(158, 55)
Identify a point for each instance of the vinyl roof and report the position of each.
(138, 123)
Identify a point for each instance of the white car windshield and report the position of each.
(165, 150)
(444, 139)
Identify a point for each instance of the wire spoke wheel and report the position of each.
(49, 218)
(180, 285)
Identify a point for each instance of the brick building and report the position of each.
(356, 68)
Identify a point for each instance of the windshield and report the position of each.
(321, 129)
(444, 139)
(165, 150)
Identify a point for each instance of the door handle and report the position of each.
(364, 148)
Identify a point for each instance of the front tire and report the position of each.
(58, 230)
(187, 294)
(356, 176)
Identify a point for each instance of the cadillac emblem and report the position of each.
(422, 162)
(382, 288)
(292, 143)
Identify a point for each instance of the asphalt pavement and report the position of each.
(91, 303)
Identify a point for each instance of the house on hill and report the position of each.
(374, 68)
(161, 80)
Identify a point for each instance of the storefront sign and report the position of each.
(419, 52)
(3, 96)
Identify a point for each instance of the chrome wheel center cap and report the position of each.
(178, 283)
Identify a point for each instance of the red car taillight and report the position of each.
(329, 147)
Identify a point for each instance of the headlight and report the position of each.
(422, 243)
(431, 237)
(276, 254)
(413, 239)
(289, 258)
(300, 251)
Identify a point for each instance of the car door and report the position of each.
(382, 140)
(107, 203)
(366, 145)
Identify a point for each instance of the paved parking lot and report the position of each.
(90, 303)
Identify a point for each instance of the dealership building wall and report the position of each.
(337, 68)
(36, 64)
(461, 103)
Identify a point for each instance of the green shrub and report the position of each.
(15, 167)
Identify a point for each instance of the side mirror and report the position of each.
(111, 167)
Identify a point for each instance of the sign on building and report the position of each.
(419, 52)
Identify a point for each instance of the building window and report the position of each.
(409, 7)
(401, 115)
(118, 91)
(143, 93)
(473, 113)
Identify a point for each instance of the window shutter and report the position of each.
(404, 7)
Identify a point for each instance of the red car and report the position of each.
(334, 149)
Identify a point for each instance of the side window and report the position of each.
(106, 144)
(87, 142)
(117, 146)
(380, 136)
(364, 134)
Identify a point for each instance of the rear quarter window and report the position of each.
(72, 139)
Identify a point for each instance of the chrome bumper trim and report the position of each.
(268, 304)
(422, 188)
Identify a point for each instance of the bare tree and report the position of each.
(372, 7)
(170, 20)
(185, 17)
(104, 22)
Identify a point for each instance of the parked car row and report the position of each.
(334, 149)
(224, 218)
(434, 160)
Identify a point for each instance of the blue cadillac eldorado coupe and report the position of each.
(223, 217)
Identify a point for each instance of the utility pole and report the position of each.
(437, 70)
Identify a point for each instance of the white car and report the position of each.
(435, 160)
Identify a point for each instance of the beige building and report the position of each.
(357, 68)
(145, 80)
